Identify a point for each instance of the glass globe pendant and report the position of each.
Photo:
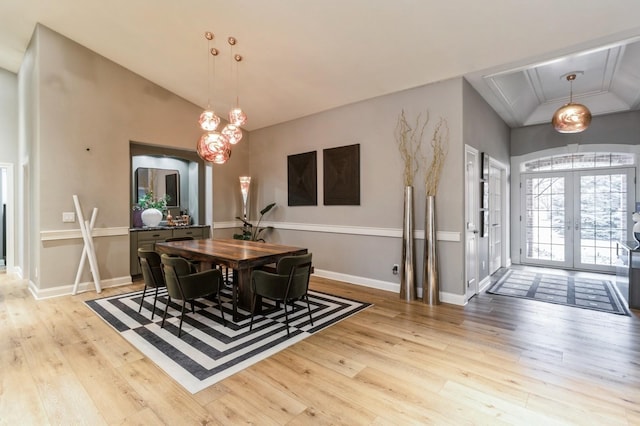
(208, 120)
(233, 133)
(214, 148)
(237, 117)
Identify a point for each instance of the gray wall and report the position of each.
(485, 131)
(621, 128)
(85, 112)
(371, 124)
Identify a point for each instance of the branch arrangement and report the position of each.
(440, 147)
(409, 140)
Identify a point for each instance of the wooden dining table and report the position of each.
(240, 255)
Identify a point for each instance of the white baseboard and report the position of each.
(454, 299)
(66, 290)
(484, 284)
(17, 271)
(353, 279)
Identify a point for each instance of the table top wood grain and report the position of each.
(236, 254)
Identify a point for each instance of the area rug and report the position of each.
(207, 351)
(588, 293)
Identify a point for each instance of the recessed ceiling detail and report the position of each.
(609, 82)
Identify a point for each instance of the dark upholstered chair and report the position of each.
(186, 285)
(225, 271)
(151, 273)
(288, 284)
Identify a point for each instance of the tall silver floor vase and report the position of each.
(408, 273)
(430, 279)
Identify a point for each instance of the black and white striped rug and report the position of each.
(208, 352)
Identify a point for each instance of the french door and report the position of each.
(572, 219)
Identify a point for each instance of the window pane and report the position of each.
(583, 160)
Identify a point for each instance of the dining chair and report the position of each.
(152, 274)
(186, 285)
(224, 269)
(290, 283)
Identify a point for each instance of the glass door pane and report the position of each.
(546, 220)
(603, 208)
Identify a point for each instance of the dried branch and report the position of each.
(440, 147)
(409, 143)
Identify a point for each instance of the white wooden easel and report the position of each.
(89, 252)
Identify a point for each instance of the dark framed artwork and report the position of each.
(341, 180)
(302, 179)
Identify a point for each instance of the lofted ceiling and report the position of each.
(303, 57)
(607, 81)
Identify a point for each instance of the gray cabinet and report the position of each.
(147, 239)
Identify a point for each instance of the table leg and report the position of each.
(243, 294)
(234, 286)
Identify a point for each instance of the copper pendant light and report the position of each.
(571, 118)
(215, 147)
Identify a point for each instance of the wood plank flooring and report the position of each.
(498, 360)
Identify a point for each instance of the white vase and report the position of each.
(151, 217)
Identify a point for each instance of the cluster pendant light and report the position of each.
(214, 146)
(572, 117)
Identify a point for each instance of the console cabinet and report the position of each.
(148, 237)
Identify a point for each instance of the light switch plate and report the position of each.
(68, 217)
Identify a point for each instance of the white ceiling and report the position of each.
(608, 81)
(303, 57)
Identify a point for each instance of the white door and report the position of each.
(603, 204)
(573, 219)
(495, 218)
(472, 195)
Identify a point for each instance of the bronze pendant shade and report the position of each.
(571, 118)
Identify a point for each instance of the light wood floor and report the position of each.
(496, 361)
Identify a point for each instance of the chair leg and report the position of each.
(309, 307)
(193, 310)
(142, 300)
(286, 317)
(224, 322)
(184, 303)
(166, 309)
(253, 304)
(155, 299)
